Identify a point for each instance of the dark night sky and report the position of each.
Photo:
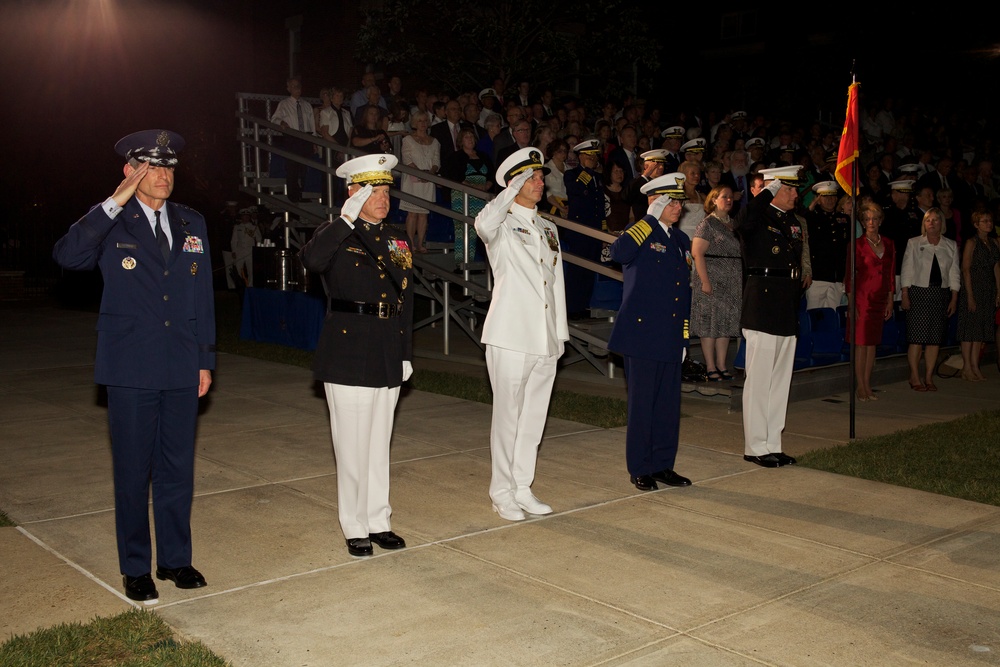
(79, 74)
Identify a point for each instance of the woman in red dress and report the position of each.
(876, 268)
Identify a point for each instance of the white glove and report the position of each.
(774, 186)
(352, 207)
(407, 370)
(496, 211)
(656, 208)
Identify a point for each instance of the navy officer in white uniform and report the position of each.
(651, 331)
(365, 350)
(525, 330)
(155, 352)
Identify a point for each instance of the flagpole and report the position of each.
(851, 300)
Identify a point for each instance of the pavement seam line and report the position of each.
(86, 573)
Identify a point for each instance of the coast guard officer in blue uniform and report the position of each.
(651, 331)
(155, 352)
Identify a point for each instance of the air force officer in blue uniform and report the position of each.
(155, 352)
(651, 331)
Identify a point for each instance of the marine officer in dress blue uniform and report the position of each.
(585, 197)
(365, 351)
(155, 352)
(774, 247)
(651, 331)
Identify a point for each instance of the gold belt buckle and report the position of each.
(383, 310)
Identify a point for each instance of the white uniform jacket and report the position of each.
(528, 310)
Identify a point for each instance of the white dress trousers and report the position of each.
(361, 424)
(770, 360)
(522, 386)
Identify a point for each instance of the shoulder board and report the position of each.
(640, 231)
(584, 177)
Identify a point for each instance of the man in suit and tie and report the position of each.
(651, 332)
(525, 329)
(938, 179)
(624, 155)
(295, 114)
(155, 352)
(447, 132)
(736, 179)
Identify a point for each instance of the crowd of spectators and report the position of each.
(912, 159)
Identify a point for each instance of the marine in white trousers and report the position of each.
(770, 360)
(361, 421)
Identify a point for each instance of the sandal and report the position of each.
(714, 376)
(917, 387)
(931, 387)
(726, 375)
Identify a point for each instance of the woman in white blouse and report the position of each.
(931, 278)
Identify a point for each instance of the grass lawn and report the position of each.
(134, 638)
(5, 520)
(960, 458)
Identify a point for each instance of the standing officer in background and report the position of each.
(653, 163)
(525, 329)
(651, 332)
(155, 352)
(773, 240)
(365, 350)
(585, 198)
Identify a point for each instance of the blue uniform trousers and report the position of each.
(654, 415)
(152, 440)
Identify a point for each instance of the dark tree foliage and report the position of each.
(464, 46)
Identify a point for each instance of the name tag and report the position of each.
(127, 246)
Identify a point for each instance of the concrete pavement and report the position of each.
(749, 566)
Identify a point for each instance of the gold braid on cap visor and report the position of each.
(372, 178)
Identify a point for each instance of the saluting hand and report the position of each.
(127, 187)
(656, 208)
(352, 207)
(496, 210)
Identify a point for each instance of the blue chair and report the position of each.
(804, 344)
(829, 346)
(740, 361)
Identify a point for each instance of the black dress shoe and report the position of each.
(387, 540)
(359, 547)
(670, 478)
(767, 461)
(644, 483)
(784, 459)
(183, 577)
(141, 589)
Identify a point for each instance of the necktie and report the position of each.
(454, 135)
(161, 238)
(302, 121)
(739, 184)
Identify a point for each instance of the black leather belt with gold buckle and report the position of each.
(766, 272)
(381, 310)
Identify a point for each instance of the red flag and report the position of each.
(848, 152)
